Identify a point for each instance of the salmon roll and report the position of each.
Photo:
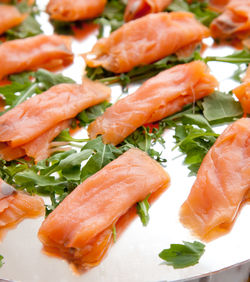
(139, 8)
(17, 206)
(10, 17)
(68, 11)
(146, 40)
(80, 228)
(242, 92)
(158, 97)
(233, 22)
(222, 184)
(41, 51)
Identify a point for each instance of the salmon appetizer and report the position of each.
(80, 228)
(30, 126)
(218, 5)
(139, 8)
(146, 40)
(233, 22)
(222, 184)
(16, 205)
(160, 96)
(69, 11)
(10, 17)
(41, 51)
(242, 92)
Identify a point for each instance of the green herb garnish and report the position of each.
(1, 261)
(142, 210)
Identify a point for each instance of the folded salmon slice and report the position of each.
(17, 206)
(218, 5)
(139, 8)
(157, 98)
(146, 40)
(10, 17)
(222, 184)
(31, 53)
(67, 10)
(40, 113)
(242, 92)
(80, 228)
(233, 22)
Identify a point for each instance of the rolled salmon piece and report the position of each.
(10, 17)
(80, 228)
(40, 113)
(139, 8)
(233, 22)
(218, 5)
(17, 206)
(158, 97)
(222, 184)
(35, 52)
(146, 40)
(242, 92)
(67, 10)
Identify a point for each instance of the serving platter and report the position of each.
(134, 257)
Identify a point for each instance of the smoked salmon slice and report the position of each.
(222, 184)
(80, 228)
(157, 98)
(233, 22)
(10, 17)
(146, 40)
(67, 10)
(242, 92)
(218, 5)
(139, 8)
(17, 206)
(45, 51)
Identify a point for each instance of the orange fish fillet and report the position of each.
(10, 17)
(139, 8)
(34, 52)
(40, 113)
(222, 184)
(218, 5)
(68, 10)
(16, 207)
(146, 40)
(157, 98)
(80, 228)
(233, 22)
(242, 92)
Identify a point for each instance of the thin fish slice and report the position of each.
(139, 8)
(242, 92)
(40, 113)
(10, 17)
(31, 53)
(145, 40)
(157, 98)
(67, 10)
(80, 228)
(222, 184)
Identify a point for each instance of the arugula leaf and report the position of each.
(181, 256)
(198, 8)
(142, 210)
(140, 72)
(238, 57)
(65, 136)
(112, 16)
(221, 107)
(61, 27)
(1, 261)
(114, 233)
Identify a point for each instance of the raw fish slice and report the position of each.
(146, 40)
(233, 22)
(222, 184)
(16, 207)
(242, 92)
(218, 5)
(157, 98)
(139, 8)
(10, 17)
(40, 113)
(80, 228)
(67, 10)
(33, 53)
